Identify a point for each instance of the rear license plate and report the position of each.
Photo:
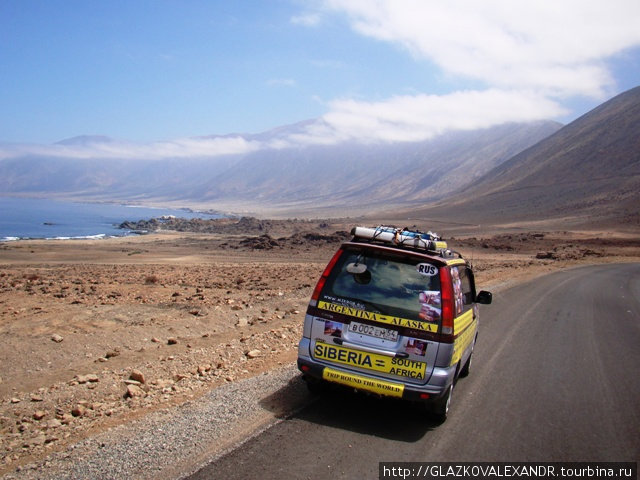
(373, 331)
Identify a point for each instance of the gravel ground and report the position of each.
(175, 442)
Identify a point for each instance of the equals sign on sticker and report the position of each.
(379, 363)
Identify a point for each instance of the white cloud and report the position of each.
(421, 117)
(531, 56)
(554, 46)
(181, 148)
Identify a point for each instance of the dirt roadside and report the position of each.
(97, 333)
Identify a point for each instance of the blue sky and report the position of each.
(156, 74)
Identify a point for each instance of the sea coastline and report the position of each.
(55, 219)
(100, 236)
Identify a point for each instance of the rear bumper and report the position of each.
(437, 386)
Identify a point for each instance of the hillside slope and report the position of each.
(587, 172)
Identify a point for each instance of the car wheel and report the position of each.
(441, 407)
(467, 366)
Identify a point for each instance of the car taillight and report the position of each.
(323, 278)
(448, 306)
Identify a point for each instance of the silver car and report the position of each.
(394, 313)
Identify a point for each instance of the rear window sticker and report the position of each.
(430, 305)
(457, 290)
(427, 269)
(345, 302)
(332, 328)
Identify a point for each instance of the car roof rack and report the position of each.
(404, 238)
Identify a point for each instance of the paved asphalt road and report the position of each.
(555, 377)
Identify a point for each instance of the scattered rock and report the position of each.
(90, 377)
(172, 341)
(242, 322)
(155, 340)
(163, 383)
(112, 353)
(36, 398)
(39, 440)
(66, 419)
(137, 375)
(134, 391)
(57, 338)
(78, 411)
(39, 415)
(15, 400)
(253, 353)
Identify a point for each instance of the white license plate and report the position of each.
(372, 331)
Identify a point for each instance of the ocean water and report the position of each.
(38, 218)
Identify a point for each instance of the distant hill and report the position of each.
(588, 172)
(344, 176)
(354, 174)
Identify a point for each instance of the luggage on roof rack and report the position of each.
(401, 237)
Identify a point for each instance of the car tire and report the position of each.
(441, 408)
(467, 366)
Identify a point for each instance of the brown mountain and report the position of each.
(587, 173)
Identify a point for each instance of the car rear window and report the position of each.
(385, 283)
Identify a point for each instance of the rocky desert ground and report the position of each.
(96, 333)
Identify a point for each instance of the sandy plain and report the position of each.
(96, 333)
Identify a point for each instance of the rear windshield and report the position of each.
(384, 283)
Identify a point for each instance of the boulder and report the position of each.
(135, 391)
(137, 375)
(57, 338)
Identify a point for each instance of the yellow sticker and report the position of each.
(378, 317)
(362, 383)
(402, 367)
(463, 321)
(461, 343)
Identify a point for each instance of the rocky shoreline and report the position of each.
(228, 226)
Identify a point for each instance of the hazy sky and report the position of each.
(154, 73)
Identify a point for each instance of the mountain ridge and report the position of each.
(586, 172)
(360, 175)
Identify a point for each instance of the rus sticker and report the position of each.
(427, 269)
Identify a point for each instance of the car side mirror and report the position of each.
(484, 297)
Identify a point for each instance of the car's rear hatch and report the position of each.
(377, 311)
